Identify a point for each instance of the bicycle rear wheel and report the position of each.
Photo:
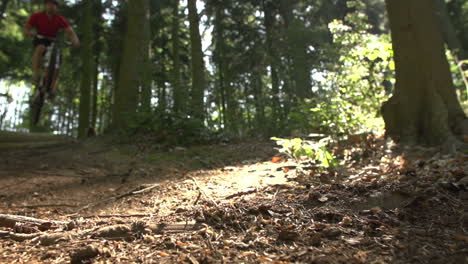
(36, 105)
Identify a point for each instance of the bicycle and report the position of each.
(51, 58)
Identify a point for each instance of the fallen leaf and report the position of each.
(264, 259)
(181, 244)
(361, 256)
(247, 254)
(163, 254)
(276, 159)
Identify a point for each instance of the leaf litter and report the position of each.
(380, 206)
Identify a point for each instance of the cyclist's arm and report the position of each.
(72, 36)
(28, 30)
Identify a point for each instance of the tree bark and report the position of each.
(126, 96)
(198, 65)
(447, 28)
(87, 59)
(259, 101)
(224, 87)
(297, 40)
(424, 108)
(178, 90)
(269, 22)
(97, 27)
(146, 69)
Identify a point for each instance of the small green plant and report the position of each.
(298, 148)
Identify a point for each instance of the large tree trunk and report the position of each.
(424, 108)
(87, 59)
(198, 66)
(126, 96)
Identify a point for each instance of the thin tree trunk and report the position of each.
(97, 27)
(146, 70)
(424, 108)
(296, 36)
(447, 28)
(87, 70)
(225, 89)
(269, 22)
(451, 38)
(198, 65)
(178, 91)
(257, 82)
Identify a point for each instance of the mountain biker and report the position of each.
(43, 28)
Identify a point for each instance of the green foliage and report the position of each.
(13, 64)
(298, 149)
(350, 92)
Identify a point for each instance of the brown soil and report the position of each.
(231, 204)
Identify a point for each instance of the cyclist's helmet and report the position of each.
(51, 1)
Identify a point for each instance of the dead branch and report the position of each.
(32, 206)
(241, 193)
(139, 190)
(18, 237)
(202, 191)
(114, 216)
(11, 221)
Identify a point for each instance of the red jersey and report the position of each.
(47, 26)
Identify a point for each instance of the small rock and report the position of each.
(286, 235)
(71, 225)
(353, 241)
(316, 239)
(116, 231)
(323, 199)
(347, 221)
(82, 255)
(180, 210)
(463, 181)
(180, 149)
(332, 233)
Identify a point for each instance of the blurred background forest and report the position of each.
(213, 69)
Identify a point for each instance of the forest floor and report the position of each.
(230, 203)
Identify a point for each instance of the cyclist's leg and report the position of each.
(37, 61)
(40, 46)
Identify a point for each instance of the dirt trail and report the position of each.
(229, 204)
